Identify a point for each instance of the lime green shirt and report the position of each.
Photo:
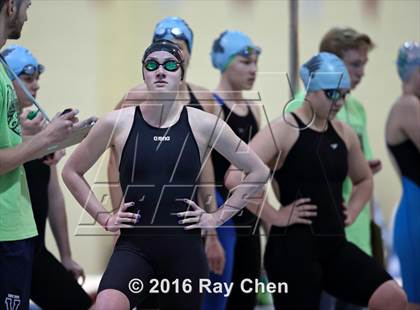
(16, 217)
(353, 114)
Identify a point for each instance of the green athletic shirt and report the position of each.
(16, 217)
(353, 114)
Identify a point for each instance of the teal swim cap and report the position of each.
(408, 59)
(229, 44)
(324, 71)
(21, 60)
(171, 28)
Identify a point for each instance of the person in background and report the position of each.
(236, 57)
(353, 48)
(402, 133)
(17, 224)
(315, 154)
(54, 284)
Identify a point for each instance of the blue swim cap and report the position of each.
(174, 28)
(324, 71)
(229, 44)
(408, 59)
(21, 60)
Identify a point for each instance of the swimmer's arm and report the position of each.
(135, 96)
(82, 159)
(58, 222)
(206, 193)
(360, 175)
(207, 198)
(114, 187)
(57, 214)
(266, 144)
(243, 157)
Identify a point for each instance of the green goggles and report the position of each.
(169, 65)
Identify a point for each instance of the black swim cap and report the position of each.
(166, 46)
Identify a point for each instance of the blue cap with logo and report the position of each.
(229, 44)
(21, 60)
(324, 71)
(173, 28)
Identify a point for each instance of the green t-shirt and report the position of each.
(16, 217)
(353, 114)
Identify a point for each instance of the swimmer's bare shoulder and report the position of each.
(407, 103)
(277, 137)
(113, 125)
(406, 113)
(202, 121)
(134, 96)
(406, 107)
(346, 133)
(283, 130)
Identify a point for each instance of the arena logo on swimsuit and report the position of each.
(161, 138)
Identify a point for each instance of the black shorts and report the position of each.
(15, 273)
(310, 264)
(53, 287)
(173, 258)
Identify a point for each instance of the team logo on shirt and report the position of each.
(12, 112)
(12, 302)
(161, 138)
